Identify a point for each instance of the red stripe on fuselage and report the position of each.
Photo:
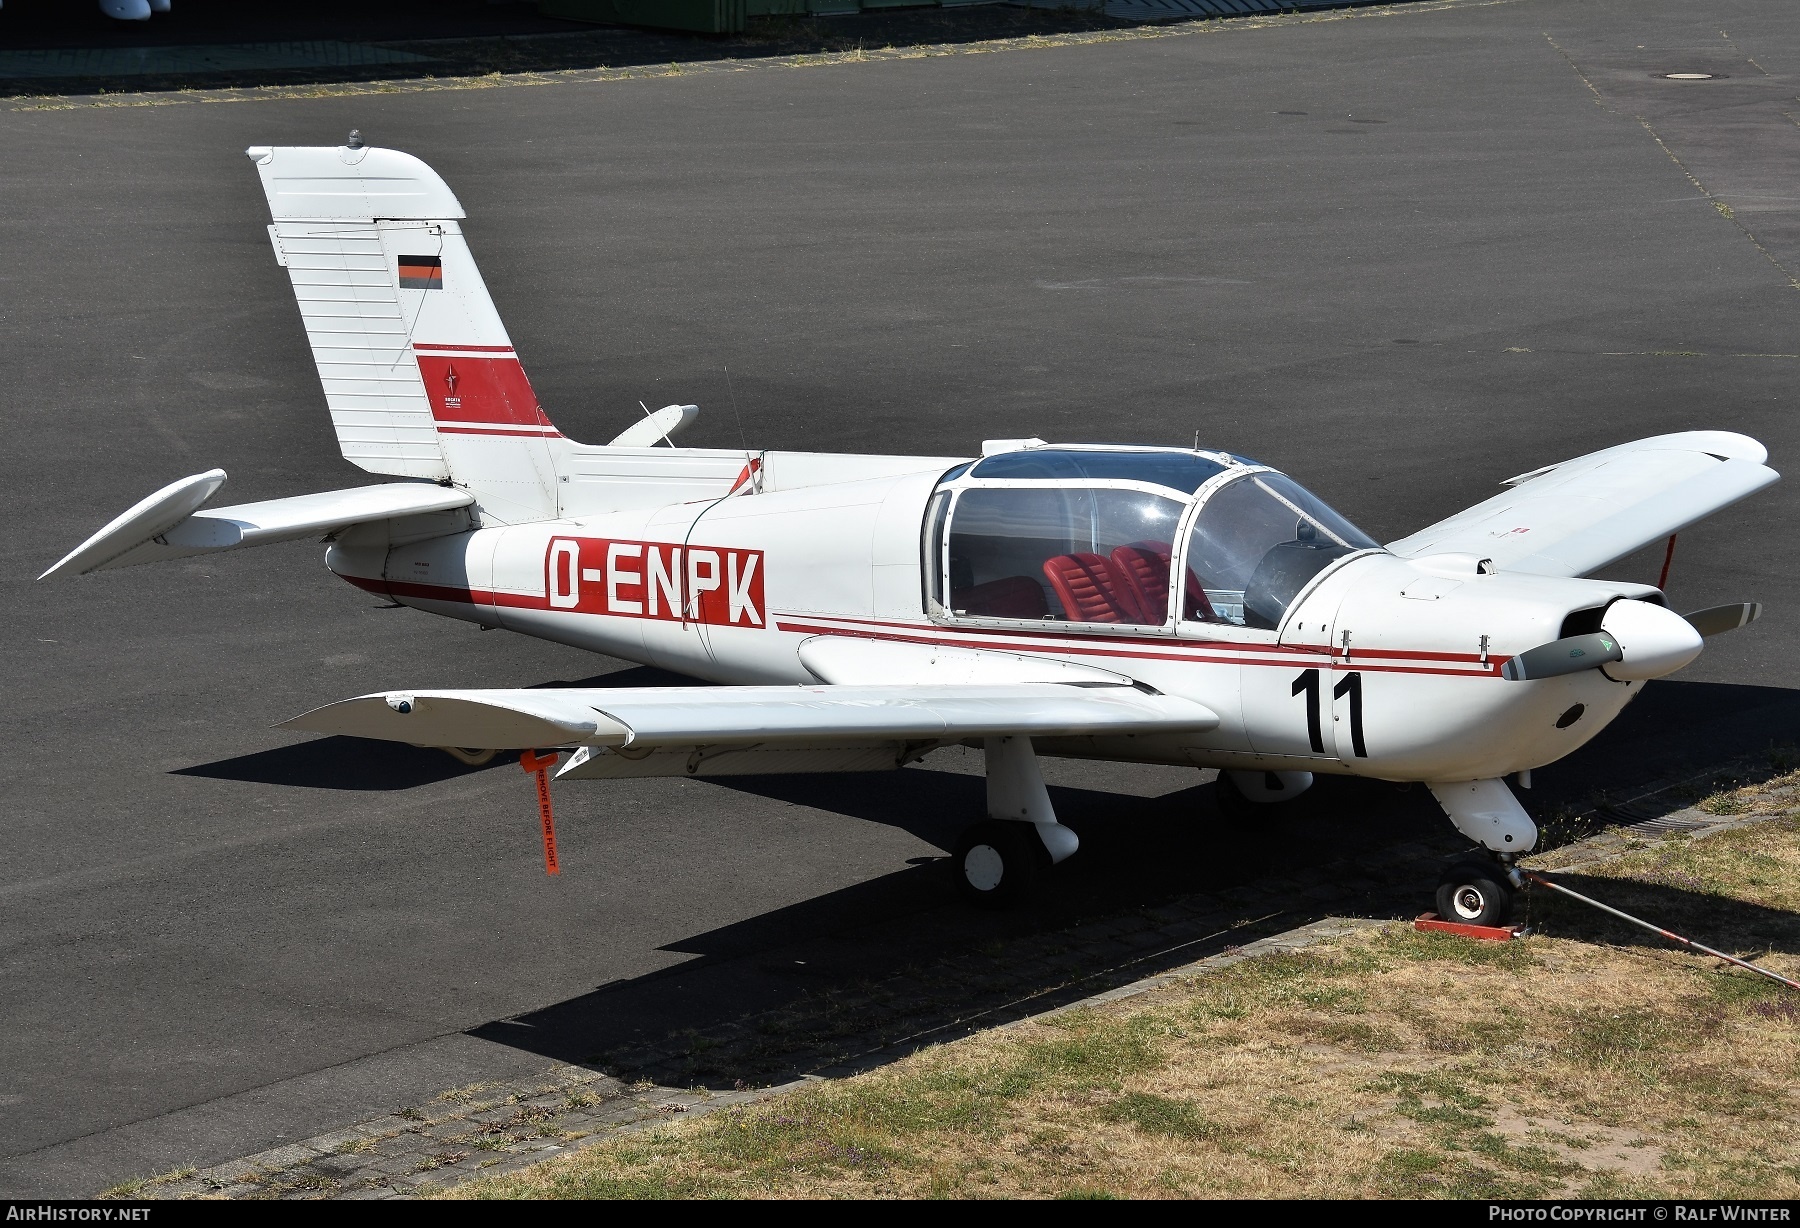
(1077, 637)
(1202, 652)
(447, 592)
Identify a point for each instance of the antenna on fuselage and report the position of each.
(739, 418)
(1196, 439)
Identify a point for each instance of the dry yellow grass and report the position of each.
(1390, 1063)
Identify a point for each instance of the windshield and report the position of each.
(1061, 555)
(1256, 544)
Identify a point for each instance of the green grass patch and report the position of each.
(1162, 1115)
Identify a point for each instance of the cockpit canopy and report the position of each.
(1073, 534)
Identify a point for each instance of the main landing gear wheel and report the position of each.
(998, 863)
(1474, 892)
(473, 756)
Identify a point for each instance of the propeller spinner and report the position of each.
(1637, 641)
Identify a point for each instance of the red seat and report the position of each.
(1011, 597)
(1146, 565)
(1090, 591)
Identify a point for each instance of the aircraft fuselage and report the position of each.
(1383, 667)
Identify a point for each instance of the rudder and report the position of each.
(419, 374)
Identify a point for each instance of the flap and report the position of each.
(765, 715)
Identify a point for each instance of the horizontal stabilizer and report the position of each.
(142, 521)
(168, 525)
(657, 717)
(1573, 518)
(659, 427)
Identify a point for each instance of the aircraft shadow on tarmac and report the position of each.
(749, 1014)
(871, 972)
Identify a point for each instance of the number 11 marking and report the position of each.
(1351, 685)
(1308, 683)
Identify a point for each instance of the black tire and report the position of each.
(1474, 893)
(998, 864)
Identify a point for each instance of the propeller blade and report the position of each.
(1567, 656)
(1722, 618)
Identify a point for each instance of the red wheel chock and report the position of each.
(1431, 922)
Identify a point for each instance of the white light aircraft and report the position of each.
(1141, 604)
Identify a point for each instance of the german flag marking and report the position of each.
(421, 273)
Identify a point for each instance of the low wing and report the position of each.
(170, 525)
(1574, 518)
(832, 728)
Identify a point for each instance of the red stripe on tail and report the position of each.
(482, 388)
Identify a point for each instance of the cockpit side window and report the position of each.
(1061, 554)
(1256, 543)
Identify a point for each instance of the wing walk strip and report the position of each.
(1213, 652)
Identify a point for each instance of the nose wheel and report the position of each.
(1475, 892)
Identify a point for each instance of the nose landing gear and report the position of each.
(1477, 889)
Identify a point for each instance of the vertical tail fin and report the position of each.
(418, 371)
